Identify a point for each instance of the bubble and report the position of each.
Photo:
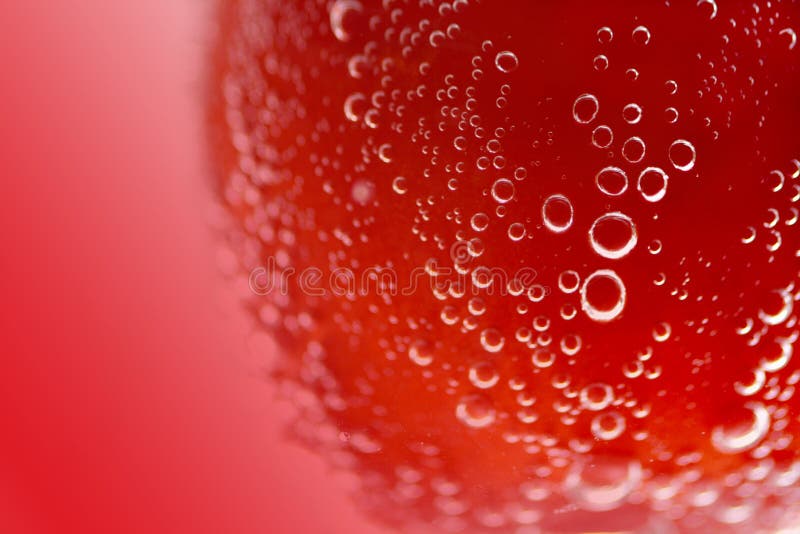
(400, 185)
(632, 113)
(568, 281)
(753, 384)
(672, 86)
(342, 17)
(600, 62)
(363, 192)
(596, 397)
(503, 190)
(585, 108)
(436, 38)
(492, 341)
(682, 155)
(385, 153)
(483, 375)
(613, 235)
(641, 35)
(571, 344)
(791, 37)
(652, 184)
(603, 484)
(604, 35)
(709, 7)
(671, 115)
(608, 426)
(612, 181)
(662, 332)
(516, 231)
(783, 304)
(475, 411)
(506, 61)
(633, 149)
(602, 136)
(421, 354)
(603, 295)
(354, 107)
(557, 213)
(743, 436)
(543, 358)
(479, 222)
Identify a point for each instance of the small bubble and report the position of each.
(745, 434)
(503, 190)
(492, 341)
(709, 7)
(604, 35)
(557, 213)
(543, 358)
(483, 375)
(612, 181)
(436, 38)
(568, 281)
(641, 35)
(600, 63)
(634, 150)
(354, 107)
(603, 295)
(385, 153)
(363, 192)
(479, 222)
(791, 37)
(682, 155)
(652, 184)
(506, 61)
(602, 136)
(420, 354)
(672, 87)
(475, 411)
(585, 108)
(608, 426)
(516, 231)
(342, 18)
(596, 397)
(671, 115)
(399, 185)
(613, 235)
(752, 385)
(632, 113)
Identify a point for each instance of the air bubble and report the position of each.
(612, 181)
(608, 426)
(733, 439)
(506, 61)
(341, 18)
(600, 62)
(516, 231)
(752, 385)
(363, 192)
(632, 113)
(503, 190)
(483, 375)
(399, 185)
(475, 411)
(596, 397)
(709, 7)
(641, 35)
(604, 484)
(603, 296)
(633, 150)
(605, 35)
(602, 136)
(569, 281)
(682, 155)
(479, 222)
(354, 107)
(585, 108)
(613, 235)
(492, 341)
(791, 37)
(652, 184)
(557, 213)
(420, 354)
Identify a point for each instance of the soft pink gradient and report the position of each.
(127, 402)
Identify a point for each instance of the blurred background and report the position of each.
(129, 400)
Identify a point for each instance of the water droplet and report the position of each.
(557, 213)
(652, 184)
(342, 18)
(603, 295)
(745, 434)
(612, 181)
(506, 61)
(613, 235)
(682, 155)
(585, 108)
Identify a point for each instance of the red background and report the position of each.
(126, 401)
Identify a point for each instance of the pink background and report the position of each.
(128, 401)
